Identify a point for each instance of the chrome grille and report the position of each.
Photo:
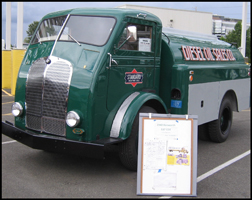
(34, 86)
(46, 96)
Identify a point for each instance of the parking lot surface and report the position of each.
(223, 169)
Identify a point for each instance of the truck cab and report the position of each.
(85, 76)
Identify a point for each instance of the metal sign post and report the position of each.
(167, 154)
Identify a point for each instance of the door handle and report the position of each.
(111, 60)
(114, 62)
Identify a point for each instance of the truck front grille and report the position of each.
(47, 89)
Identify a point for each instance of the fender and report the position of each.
(124, 118)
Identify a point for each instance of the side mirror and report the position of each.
(132, 33)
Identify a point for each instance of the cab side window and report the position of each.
(136, 37)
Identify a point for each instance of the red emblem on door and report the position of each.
(133, 77)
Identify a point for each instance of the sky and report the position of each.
(34, 11)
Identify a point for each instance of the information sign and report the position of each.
(144, 44)
(167, 154)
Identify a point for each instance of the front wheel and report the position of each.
(219, 129)
(128, 148)
(203, 132)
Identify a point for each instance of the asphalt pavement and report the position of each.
(223, 169)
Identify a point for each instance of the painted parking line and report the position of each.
(220, 167)
(7, 93)
(216, 169)
(7, 102)
(9, 142)
(6, 114)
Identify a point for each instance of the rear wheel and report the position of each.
(128, 148)
(219, 129)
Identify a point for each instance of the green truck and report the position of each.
(88, 73)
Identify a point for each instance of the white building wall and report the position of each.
(222, 26)
(200, 22)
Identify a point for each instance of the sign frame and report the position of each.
(156, 172)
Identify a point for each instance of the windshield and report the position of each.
(49, 29)
(93, 30)
(88, 29)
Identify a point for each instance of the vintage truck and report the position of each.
(88, 73)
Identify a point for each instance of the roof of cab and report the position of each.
(116, 12)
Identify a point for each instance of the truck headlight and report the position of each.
(17, 109)
(72, 119)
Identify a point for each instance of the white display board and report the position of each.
(167, 155)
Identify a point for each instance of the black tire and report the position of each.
(128, 148)
(219, 129)
(203, 132)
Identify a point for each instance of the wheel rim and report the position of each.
(225, 120)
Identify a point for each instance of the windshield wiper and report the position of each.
(124, 42)
(74, 39)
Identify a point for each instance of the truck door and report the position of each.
(132, 61)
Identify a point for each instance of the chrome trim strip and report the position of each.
(115, 129)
